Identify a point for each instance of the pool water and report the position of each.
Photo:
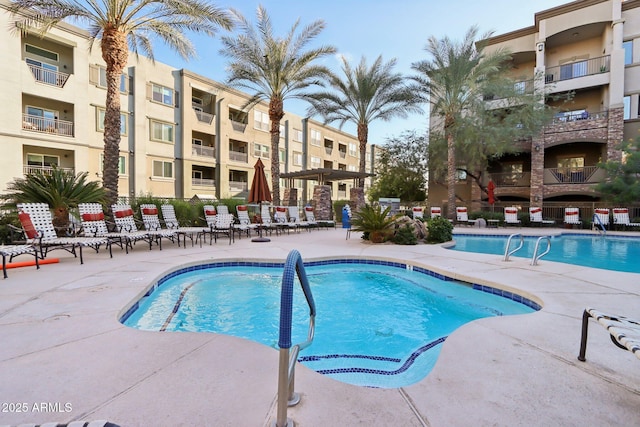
(606, 252)
(377, 326)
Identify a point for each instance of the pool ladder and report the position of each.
(536, 255)
(288, 354)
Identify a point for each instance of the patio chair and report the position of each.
(244, 224)
(224, 225)
(435, 211)
(294, 217)
(621, 218)
(311, 219)
(266, 221)
(126, 223)
(535, 217)
(15, 250)
(222, 209)
(152, 225)
(511, 216)
(210, 214)
(572, 216)
(624, 332)
(600, 218)
(462, 216)
(281, 220)
(171, 222)
(93, 224)
(418, 212)
(37, 224)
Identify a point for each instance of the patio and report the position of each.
(62, 344)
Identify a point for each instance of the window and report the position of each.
(297, 158)
(461, 175)
(121, 164)
(100, 121)
(43, 53)
(627, 107)
(197, 103)
(162, 94)
(283, 131)
(162, 169)
(261, 150)
(98, 77)
(316, 162)
(353, 149)
(571, 164)
(260, 120)
(41, 119)
(42, 160)
(573, 70)
(297, 135)
(352, 168)
(282, 155)
(628, 52)
(316, 137)
(161, 131)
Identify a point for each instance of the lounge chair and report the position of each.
(435, 211)
(624, 332)
(621, 218)
(37, 224)
(93, 224)
(225, 225)
(13, 251)
(310, 217)
(462, 216)
(572, 216)
(600, 218)
(511, 216)
(222, 209)
(244, 224)
(266, 221)
(210, 214)
(294, 217)
(152, 224)
(535, 217)
(172, 223)
(281, 220)
(418, 212)
(126, 223)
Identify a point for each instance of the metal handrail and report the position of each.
(596, 219)
(288, 354)
(536, 256)
(507, 254)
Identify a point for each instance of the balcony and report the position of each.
(203, 151)
(238, 157)
(574, 70)
(204, 117)
(45, 170)
(238, 126)
(512, 179)
(47, 125)
(519, 88)
(238, 186)
(328, 150)
(576, 175)
(574, 116)
(343, 154)
(203, 182)
(50, 77)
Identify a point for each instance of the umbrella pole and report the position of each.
(260, 238)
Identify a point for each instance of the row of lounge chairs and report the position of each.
(94, 232)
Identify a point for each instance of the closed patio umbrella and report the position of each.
(259, 193)
(491, 188)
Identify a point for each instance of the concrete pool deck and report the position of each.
(64, 354)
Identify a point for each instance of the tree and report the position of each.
(60, 189)
(274, 69)
(622, 185)
(122, 25)
(401, 168)
(460, 79)
(365, 94)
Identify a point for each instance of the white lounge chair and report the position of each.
(621, 218)
(294, 217)
(310, 217)
(535, 216)
(511, 216)
(418, 212)
(152, 224)
(93, 224)
(15, 250)
(210, 214)
(462, 216)
(172, 223)
(624, 332)
(222, 209)
(435, 211)
(126, 223)
(281, 220)
(244, 224)
(572, 216)
(37, 224)
(225, 225)
(600, 218)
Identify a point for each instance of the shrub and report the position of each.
(404, 236)
(374, 221)
(440, 230)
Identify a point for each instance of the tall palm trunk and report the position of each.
(451, 177)
(363, 137)
(115, 53)
(276, 113)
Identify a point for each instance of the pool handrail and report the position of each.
(288, 354)
(536, 256)
(596, 219)
(507, 254)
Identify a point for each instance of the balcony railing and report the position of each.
(46, 125)
(203, 182)
(512, 179)
(519, 87)
(238, 186)
(328, 150)
(45, 170)
(579, 115)
(203, 117)
(573, 175)
(238, 157)
(574, 70)
(49, 77)
(203, 150)
(343, 154)
(238, 126)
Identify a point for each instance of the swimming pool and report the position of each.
(607, 252)
(378, 323)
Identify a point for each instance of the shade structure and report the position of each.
(491, 188)
(259, 193)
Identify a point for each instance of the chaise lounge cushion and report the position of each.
(27, 225)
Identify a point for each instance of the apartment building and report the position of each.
(183, 134)
(590, 48)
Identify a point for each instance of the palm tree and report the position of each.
(122, 25)
(60, 189)
(455, 79)
(364, 95)
(274, 69)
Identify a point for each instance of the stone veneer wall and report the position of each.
(290, 197)
(322, 204)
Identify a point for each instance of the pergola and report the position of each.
(323, 175)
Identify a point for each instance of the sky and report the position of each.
(370, 28)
